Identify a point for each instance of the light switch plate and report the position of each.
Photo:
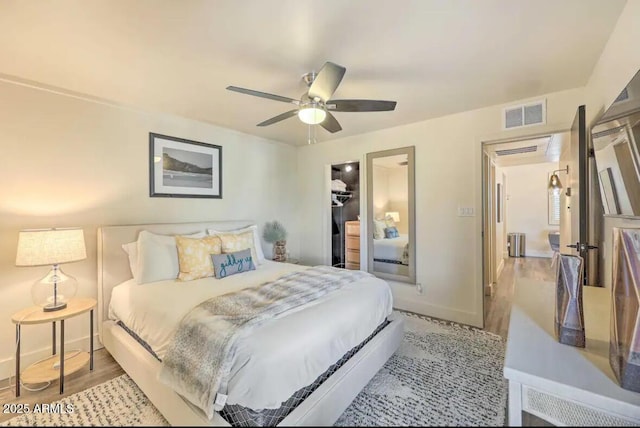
(466, 212)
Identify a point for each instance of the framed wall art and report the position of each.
(180, 168)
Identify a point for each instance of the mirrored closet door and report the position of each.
(391, 214)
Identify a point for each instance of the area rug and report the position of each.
(443, 374)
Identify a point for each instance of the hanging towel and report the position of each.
(338, 185)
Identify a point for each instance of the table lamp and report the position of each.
(395, 215)
(43, 247)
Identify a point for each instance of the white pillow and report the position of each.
(257, 244)
(155, 257)
(132, 251)
(378, 229)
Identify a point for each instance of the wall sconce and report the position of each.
(554, 181)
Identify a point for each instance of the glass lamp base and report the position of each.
(54, 291)
(51, 307)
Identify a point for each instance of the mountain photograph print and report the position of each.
(184, 168)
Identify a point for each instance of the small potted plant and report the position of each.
(274, 232)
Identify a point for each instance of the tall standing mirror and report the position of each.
(616, 145)
(391, 214)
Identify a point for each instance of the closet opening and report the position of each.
(345, 215)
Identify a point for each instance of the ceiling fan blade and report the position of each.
(278, 118)
(360, 105)
(326, 82)
(331, 124)
(263, 95)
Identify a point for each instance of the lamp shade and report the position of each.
(50, 247)
(395, 215)
(312, 115)
(554, 182)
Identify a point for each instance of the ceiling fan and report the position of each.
(316, 105)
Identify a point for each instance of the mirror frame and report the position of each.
(626, 121)
(410, 152)
(623, 113)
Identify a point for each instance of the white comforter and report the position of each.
(277, 358)
(390, 248)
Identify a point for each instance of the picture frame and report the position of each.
(181, 168)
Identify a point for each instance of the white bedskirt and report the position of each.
(278, 357)
(390, 248)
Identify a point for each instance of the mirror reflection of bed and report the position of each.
(390, 214)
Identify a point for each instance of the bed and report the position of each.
(391, 255)
(132, 351)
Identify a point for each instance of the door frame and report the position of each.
(488, 216)
(327, 241)
(484, 178)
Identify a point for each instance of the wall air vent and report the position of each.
(529, 114)
(516, 151)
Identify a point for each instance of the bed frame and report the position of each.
(322, 407)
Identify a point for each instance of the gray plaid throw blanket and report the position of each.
(405, 255)
(202, 352)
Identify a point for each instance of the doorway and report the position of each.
(521, 217)
(345, 214)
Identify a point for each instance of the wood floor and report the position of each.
(497, 310)
(105, 368)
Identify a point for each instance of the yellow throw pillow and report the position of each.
(194, 256)
(389, 221)
(232, 242)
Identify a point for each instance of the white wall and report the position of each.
(380, 190)
(619, 62)
(70, 162)
(399, 196)
(527, 201)
(448, 247)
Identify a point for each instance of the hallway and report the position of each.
(497, 308)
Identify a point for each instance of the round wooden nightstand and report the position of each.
(54, 366)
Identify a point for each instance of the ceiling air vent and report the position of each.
(516, 151)
(525, 115)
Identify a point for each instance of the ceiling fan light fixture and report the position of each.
(312, 114)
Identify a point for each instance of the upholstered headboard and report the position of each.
(113, 263)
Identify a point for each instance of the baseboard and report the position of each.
(499, 270)
(8, 365)
(538, 253)
(488, 289)
(417, 305)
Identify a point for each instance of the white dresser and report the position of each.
(563, 384)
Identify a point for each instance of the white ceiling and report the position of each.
(391, 162)
(434, 57)
(547, 149)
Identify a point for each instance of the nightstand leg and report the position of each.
(61, 356)
(54, 338)
(17, 360)
(91, 340)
